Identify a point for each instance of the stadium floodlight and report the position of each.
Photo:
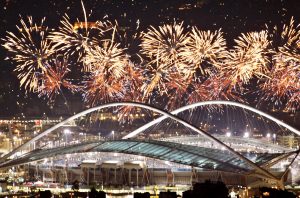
(246, 134)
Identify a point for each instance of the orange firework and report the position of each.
(132, 81)
(55, 78)
(30, 50)
(101, 88)
(177, 88)
(284, 83)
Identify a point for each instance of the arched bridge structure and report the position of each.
(200, 157)
(227, 159)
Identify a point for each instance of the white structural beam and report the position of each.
(166, 115)
(216, 102)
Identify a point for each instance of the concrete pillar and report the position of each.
(129, 177)
(88, 176)
(137, 177)
(115, 175)
(107, 175)
(94, 174)
(81, 173)
(52, 176)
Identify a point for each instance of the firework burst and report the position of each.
(99, 88)
(77, 38)
(204, 49)
(30, 50)
(55, 78)
(109, 58)
(107, 65)
(284, 83)
(249, 59)
(163, 46)
(132, 81)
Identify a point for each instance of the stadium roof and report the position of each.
(201, 157)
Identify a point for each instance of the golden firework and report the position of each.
(75, 39)
(248, 59)
(204, 49)
(30, 50)
(162, 47)
(110, 59)
(284, 83)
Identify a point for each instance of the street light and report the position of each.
(246, 135)
(66, 132)
(228, 134)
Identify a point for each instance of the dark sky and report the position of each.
(233, 16)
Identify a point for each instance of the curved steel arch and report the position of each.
(165, 115)
(216, 102)
(200, 131)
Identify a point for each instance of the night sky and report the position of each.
(232, 16)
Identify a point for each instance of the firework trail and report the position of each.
(284, 83)
(248, 59)
(204, 49)
(30, 50)
(132, 81)
(107, 69)
(76, 39)
(109, 58)
(162, 47)
(55, 78)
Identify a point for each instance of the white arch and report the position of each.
(165, 115)
(217, 102)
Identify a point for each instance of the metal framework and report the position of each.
(201, 157)
(233, 160)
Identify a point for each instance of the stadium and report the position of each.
(150, 146)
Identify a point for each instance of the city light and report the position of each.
(67, 131)
(246, 134)
(113, 134)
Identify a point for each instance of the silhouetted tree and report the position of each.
(45, 194)
(207, 189)
(75, 185)
(141, 195)
(95, 194)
